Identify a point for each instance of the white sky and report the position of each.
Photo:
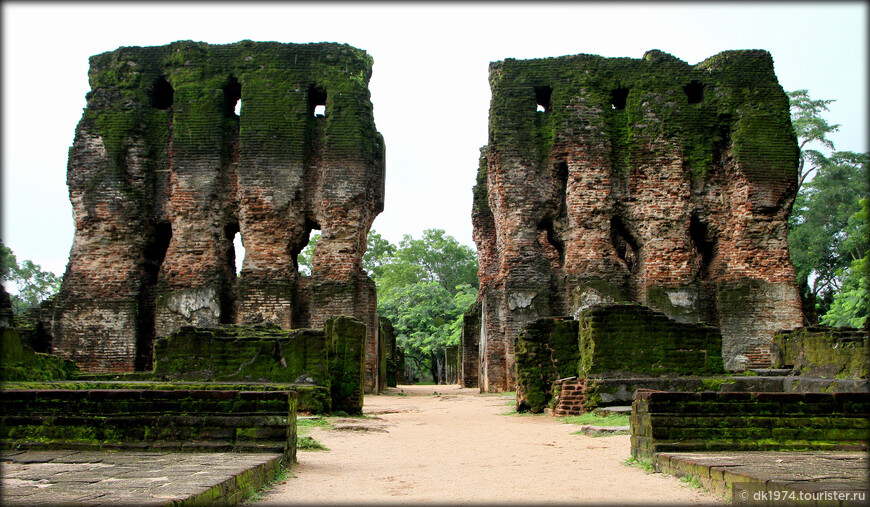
(429, 86)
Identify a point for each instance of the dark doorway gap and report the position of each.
(618, 98)
(153, 256)
(543, 97)
(232, 97)
(694, 92)
(626, 245)
(316, 101)
(704, 245)
(161, 94)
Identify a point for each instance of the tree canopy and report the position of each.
(32, 284)
(424, 287)
(828, 226)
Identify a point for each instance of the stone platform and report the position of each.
(132, 478)
(745, 477)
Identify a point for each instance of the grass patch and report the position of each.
(693, 482)
(309, 444)
(592, 419)
(640, 463)
(282, 476)
(319, 422)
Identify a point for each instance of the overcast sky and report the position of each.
(429, 85)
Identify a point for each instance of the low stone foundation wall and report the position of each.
(731, 421)
(147, 419)
(824, 352)
(330, 362)
(310, 398)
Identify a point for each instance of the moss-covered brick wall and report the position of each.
(824, 352)
(324, 365)
(546, 351)
(391, 366)
(631, 340)
(730, 421)
(346, 339)
(636, 179)
(469, 345)
(264, 353)
(149, 419)
(20, 362)
(164, 173)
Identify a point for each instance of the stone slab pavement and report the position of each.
(776, 478)
(94, 478)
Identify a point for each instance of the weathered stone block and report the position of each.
(346, 337)
(824, 352)
(631, 340)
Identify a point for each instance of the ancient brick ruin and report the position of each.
(163, 173)
(634, 180)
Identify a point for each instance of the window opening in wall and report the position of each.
(316, 101)
(626, 246)
(161, 93)
(235, 255)
(618, 98)
(236, 249)
(694, 92)
(543, 95)
(232, 98)
(302, 253)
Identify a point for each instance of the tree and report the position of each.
(306, 257)
(434, 258)
(424, 288)
(851, 305)
(32, 284)
(823, 244)
(810, 128)
(823, 228)
(427, 319)
(379, 251)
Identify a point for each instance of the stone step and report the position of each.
(604, 430)
(772, 372)
(616, 410)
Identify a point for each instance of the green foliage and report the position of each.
(828, 234)
(306, 257)
(644, 464)
(851, 305)
(596, 420)
(810, 128)
(379, 251)
(309, 444)
(33, 285)
(424, 287)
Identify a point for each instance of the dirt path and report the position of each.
(457, 447)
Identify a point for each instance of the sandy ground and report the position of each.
(457, 446)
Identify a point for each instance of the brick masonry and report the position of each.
(646, 180)
(177, 420)
(163, 174)
(732, 421)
